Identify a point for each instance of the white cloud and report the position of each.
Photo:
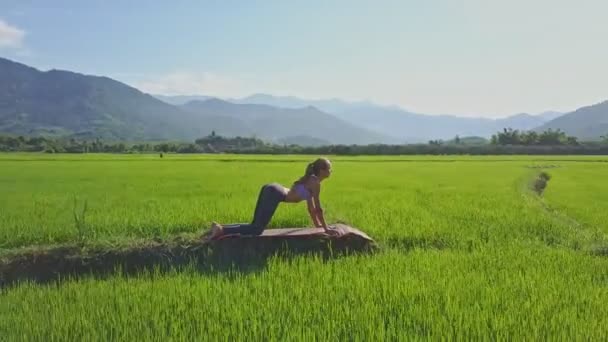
(10, 36)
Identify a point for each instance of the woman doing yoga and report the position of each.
(307, 188)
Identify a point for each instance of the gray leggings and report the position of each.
(268, 200)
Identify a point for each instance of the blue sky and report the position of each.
(470, 57)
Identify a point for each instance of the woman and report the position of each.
(307, 188)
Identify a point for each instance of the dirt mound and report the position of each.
(241, 252)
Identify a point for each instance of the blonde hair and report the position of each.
(313, 169)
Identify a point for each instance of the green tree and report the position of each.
(551, 137)
(530, 138)
(508, 136)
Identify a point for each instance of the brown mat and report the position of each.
(344, 231)
(58, 262)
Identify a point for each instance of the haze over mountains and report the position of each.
(68, 103)
(393, 121)
(288, 124)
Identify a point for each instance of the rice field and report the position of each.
(468, 251)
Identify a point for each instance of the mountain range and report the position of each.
(392, 121)
(59, 102)
(62, 102)
(587, 123)
(286, 124)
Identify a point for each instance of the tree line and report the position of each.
(531, 138)
(506, 142)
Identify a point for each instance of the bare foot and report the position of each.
(216, 230)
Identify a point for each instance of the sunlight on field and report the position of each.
(468, 251)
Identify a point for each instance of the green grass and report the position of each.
(468, 250)
(581, 193)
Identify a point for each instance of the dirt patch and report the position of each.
(52, 263)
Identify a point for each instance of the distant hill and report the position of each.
(178, 100)
(586, 123)
(64, 102)
(60, 102)
(330, 105)
(415, 127)
(550, 115)
(406, 126)
(277, 123)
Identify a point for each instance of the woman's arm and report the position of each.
(312, 211)
(317, 205)
(319, 212)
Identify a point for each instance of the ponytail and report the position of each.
(312, 169)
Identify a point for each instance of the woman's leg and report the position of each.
(268, 200)
(243, 228)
